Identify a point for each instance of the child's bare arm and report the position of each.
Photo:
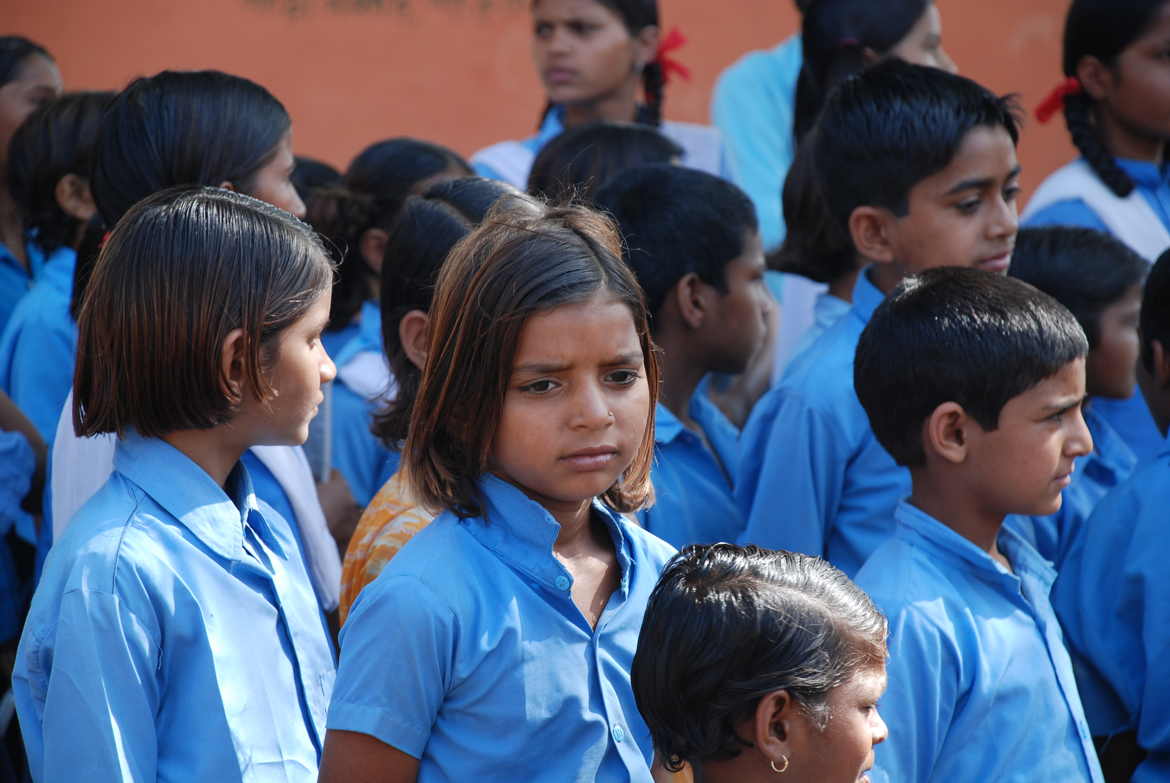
(351, 757)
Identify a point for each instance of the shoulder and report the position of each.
(509, 161)
(756, 70)
(645, 547)
(901, 578)
(1071, 211)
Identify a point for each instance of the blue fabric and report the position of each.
(334, 341)
(827, 311)
(812, 477)
(500, 677)
(1113, 598)
(17, 465)
(356, 451)
(1130, 418)
(980, 683)
(389, 466)
(753, 107)
(38, 346)
(15, 280)
(174, 635)
(694, 480)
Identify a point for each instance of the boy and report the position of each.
(1099, 279)
(1113, 593)
(974, 382)
(694, 245)
(919, 169)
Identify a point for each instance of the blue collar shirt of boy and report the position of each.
(15, 280)
(812, 476)
(174, 635)
(693, 477)
(980, 683)
(1113, 598)
(483, 667)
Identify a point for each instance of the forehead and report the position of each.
(1065, 386)
(598, 327)
(986, 154)
(868, 683)
(574, 9)
(36, 70)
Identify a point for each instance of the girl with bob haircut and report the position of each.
(753, 663)
(175, 634)
(533, 431)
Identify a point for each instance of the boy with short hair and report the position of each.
(1113, 592)
(918, 168)
(974, 382)
(693, 241)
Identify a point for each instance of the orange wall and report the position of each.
(458, 71)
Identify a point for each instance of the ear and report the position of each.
(372, 245)
(414, 336)
(1161, 370)
(946, 433)
(872, 232)
(74, 197)
(1095, 76)
(231, 368)
(646, 45)
(777, 717)
(691, 298)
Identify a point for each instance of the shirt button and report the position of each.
(619, 734)
(562, 582)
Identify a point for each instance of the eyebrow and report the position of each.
(981, 183)
(540, 368)
(1064, 405)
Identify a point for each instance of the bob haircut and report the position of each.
(180, 271)
(1083, 269)
(957, 335)
(581, 159)
(1154, 321)
(892, 126)
(727, 625)
(814, 246)
(523, 259)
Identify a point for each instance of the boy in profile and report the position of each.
(975, 382)
(918, 168)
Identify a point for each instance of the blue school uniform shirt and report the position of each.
(980, 683)
(812, 476)
(17, 465)
(484, 669)
(15, 280)
(174, 635)
(1113, 598)
(694, 502)
(38, 345)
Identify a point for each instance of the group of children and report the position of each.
(224, 367)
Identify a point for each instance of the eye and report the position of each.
(542, 29)
(542, 386)
(1011, 193)
(622, 377)
(968, 206)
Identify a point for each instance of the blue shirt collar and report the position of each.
(1145, 174)
(866, 296)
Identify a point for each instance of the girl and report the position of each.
(533, 430)
(1116, 107)
(754, 663)
(28, 78)
(174, 634)
(592, 56)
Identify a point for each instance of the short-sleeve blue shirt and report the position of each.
(174, 635)
(15, 279)
(483, 667)
(980, 683)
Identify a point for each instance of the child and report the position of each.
(919, 169)
(592, 56)
(533, 428)
(1113, 592)
(174, 634)
(1115, 108)
(752, 661)
(694, 244)
(974, 382)
(1099, 279)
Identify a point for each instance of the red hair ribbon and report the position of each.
(1055, 100)
(673, 40)
(105, 239)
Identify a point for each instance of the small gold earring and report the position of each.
(781, 769)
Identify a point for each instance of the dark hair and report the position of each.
(376, 183)
(428, 226)
(1154, 321)
(676, 221)
(183, 128)
(56, 139)
(814, 245)
(1083, 269)
(957, 335)
(581, 159)
(310, 175)
(892, 126)
(1101, 29)
(179, 272)
(522, 260)
(14, 50)
(834, 37)
(727, 625)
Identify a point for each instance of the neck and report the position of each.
(885, 276)
(576, 531)
(208, 449)
(748, 767)
(1124, 143)
(842, 287)
(618, 106)
(946, 501)
(680, 377)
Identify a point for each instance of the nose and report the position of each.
(879, 729)
(295, 205)
(328, 369)
(1006, 221)
(1080, 440)
(946, 63)
(591, 408)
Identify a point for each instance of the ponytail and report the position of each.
(341, 216)
(653, 82)
(1078, 111)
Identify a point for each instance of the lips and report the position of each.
(559, 76)
(998, 263)
(591, 458)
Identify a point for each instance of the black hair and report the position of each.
(1083, 269)
(834, 38)
(892, 126)
(814, 245)
(310, 175)
(1154, 321)
(14, 50)
(55, 140)
(675, 221)
(581, 159)
(372, 191)
(183, 128)
(428, 226)
(953, 334)
(726, 626)
(1101, 29)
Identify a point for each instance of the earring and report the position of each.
(781, 769)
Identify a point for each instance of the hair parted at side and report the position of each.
(524, 259)
(181, 270)
(727, 625)
(957, 335)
